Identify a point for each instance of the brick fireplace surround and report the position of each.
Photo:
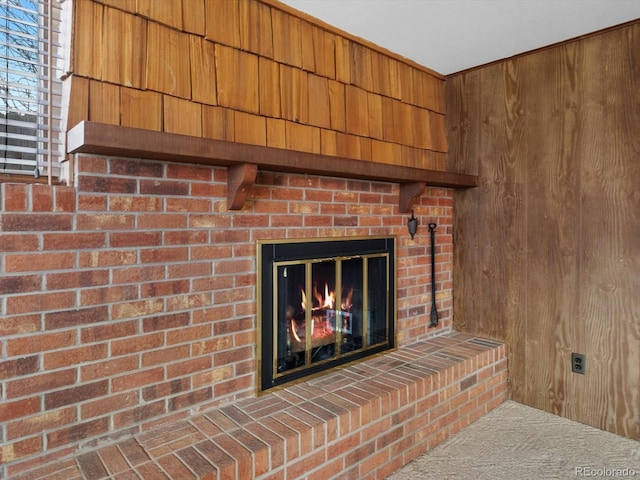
(128, 331)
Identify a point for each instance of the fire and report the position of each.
(323, 314)
(329, 297)
(346, 302)
(328, 301)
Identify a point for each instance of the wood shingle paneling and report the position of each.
(140, 109)
(189, 122)
(357, 111)
(168, 62)
(193, 17)
(269, 87)
(257, 57)
(87, 51)
(237, 79)
(287, 44)
(222, 21)
(294, 94)
(104, 102)
(124, 48)
(218, 123)
(167, 13)
(256, 34)
(203, 71)
(319, 104)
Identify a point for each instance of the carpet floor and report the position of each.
(516, 442)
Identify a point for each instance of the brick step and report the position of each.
(364, 421)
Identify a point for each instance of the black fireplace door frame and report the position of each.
(271, 252)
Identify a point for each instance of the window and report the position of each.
(30, 88)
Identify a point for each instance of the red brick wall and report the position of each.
(129, 300)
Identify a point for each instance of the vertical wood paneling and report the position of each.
(489, 294)
(610, 231)
(547, 251)
(552, 242)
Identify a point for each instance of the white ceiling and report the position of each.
(452, 35)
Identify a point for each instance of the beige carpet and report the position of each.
(516, 442)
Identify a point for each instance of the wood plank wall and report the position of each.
(548, 247)
(251, 71)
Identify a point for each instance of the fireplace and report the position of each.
(323, 303)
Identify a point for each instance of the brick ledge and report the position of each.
(364, 421)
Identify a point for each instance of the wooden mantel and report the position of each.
(245, 160)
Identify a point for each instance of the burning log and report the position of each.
(322, 330)
(323, 320)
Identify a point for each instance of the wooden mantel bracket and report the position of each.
(239, 179)
(409, 194)
(244, 160)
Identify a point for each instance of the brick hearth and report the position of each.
(364, 422)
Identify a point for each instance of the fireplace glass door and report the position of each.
(324, 311)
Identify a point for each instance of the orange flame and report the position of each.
(346, 302)
(320, 328)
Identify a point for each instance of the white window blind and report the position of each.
(30, 88)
